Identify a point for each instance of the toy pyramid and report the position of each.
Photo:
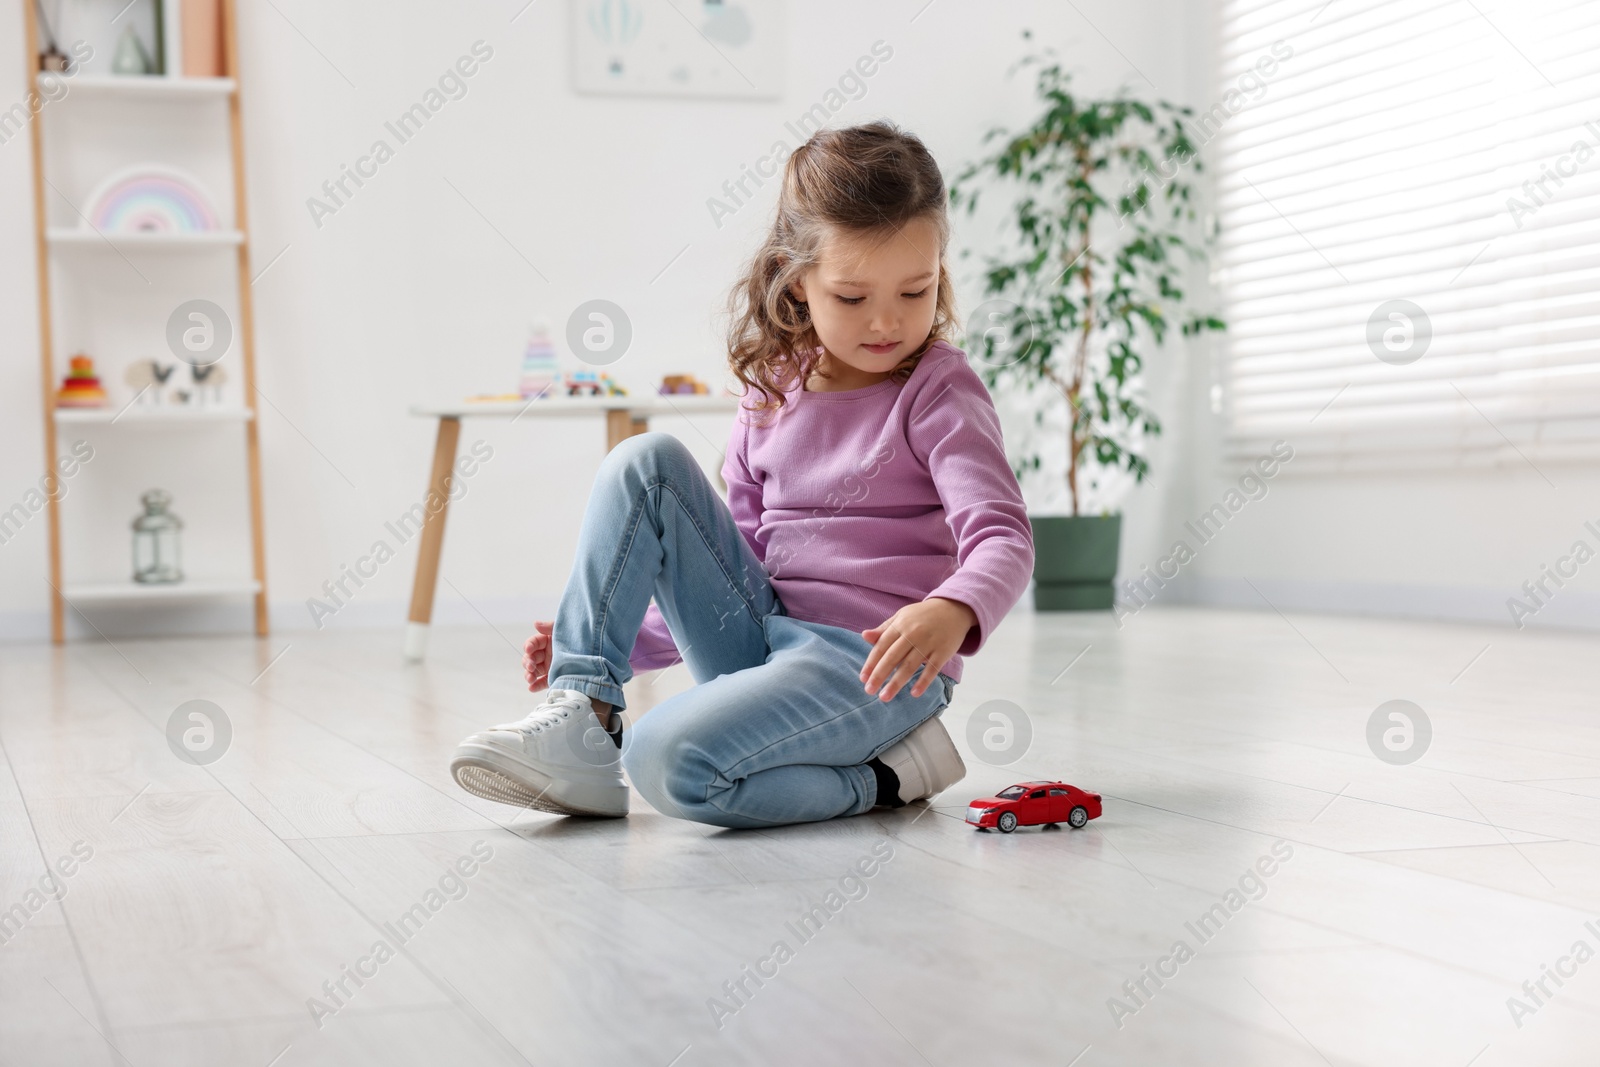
(541, 375)
(81, 388)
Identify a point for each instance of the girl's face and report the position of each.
(872, 299)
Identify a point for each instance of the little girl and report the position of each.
(873, 535)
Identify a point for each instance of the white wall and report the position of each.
(1451, 545)
(407, 293)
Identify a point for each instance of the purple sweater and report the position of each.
(861, 502)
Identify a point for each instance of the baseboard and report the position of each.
(94, 621)
(1564, 609)
(448, 610)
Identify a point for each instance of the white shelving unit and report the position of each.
(190, 589)
(135, 415)
(117, 85)
(69, 236)
(79, 246)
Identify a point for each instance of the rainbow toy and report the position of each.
(149, 199)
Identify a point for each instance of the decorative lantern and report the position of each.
(155, 541)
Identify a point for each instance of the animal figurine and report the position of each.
(208, 383)
(149, 378)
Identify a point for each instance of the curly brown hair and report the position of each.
(868, 180)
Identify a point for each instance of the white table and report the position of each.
(625, 416)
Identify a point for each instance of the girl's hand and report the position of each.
(536, 656)
(918, 636)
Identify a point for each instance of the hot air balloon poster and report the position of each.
(706, 48)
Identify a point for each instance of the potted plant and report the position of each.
(1104, 222)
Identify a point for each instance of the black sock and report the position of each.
(615, 731)
(888, 785)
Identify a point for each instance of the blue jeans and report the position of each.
(778, 727)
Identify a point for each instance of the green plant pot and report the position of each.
(1075, 561)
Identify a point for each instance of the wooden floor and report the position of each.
(216, 901)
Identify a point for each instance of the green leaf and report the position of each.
(1101, 194)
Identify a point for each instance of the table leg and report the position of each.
(427, 577)
(621, 425)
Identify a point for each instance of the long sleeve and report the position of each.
(744, 492)
(654, 647)
(956, 433)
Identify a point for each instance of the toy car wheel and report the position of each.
(1079, 818)
(1007, 822)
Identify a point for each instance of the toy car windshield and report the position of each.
(1010, 794)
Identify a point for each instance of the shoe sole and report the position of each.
(926, 752)
(488, 773)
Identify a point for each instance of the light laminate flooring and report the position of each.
(216, 901)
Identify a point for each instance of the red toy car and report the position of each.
(1035, 804)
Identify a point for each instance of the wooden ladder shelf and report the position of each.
(154, 91)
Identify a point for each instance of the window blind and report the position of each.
(1409, 255)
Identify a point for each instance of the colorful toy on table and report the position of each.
(541, 375)
(1034, 804)
(588, 383)
(687, 384)
(81, 388)
(582, 383)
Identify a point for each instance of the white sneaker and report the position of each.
(559, 759)
(925, 761)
